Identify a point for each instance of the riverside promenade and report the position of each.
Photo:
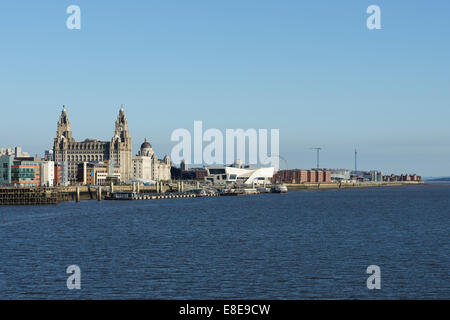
(55, 195)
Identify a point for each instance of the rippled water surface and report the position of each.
(308, 244)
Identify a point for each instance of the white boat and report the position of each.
(264, 190)
(281, 188)
(250, 191)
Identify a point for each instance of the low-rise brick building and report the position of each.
(297, 176)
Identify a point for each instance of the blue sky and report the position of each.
(309, 68)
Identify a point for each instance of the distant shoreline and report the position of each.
(445, 179)
(348, 185)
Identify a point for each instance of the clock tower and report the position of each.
(121, 147)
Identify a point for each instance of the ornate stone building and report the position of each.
(118, 150)
(147, 166)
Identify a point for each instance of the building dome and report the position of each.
(146, 145)
(146, 149)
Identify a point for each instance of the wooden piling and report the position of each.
(77, 194)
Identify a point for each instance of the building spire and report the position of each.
(121, 129)
(63, 127)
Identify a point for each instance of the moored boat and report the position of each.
(120, 195)
(197, 192)
(264, 190)
(281, 188)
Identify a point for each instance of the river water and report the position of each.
(300, 245)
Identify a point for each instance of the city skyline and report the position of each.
(11, 150)
(316, 73)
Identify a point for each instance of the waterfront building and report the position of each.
(6, 162)
(323, 176)
(377, 176)
(118, 150)
(302, 176)
(198, 173)
(47, 169)
(190, 174)
(402, 177)
(61, 175)
(97, 173)
(312, 176)
(339, 174)
(297, 176)
(148, 168)
(238, 174)
(367, 176)
(26, 173)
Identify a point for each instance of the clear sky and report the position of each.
(309, 68)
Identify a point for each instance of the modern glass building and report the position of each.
(6, 162)
(339, 174)
(25, 173)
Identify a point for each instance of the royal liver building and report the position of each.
(118, 150)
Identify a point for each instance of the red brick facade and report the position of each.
(302, 176)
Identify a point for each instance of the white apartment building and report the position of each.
(47, 173)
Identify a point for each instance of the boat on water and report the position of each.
(250, 191)
(239, 192)
(121, 195)
(281, 188)
(264, 190)
(197, 192)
